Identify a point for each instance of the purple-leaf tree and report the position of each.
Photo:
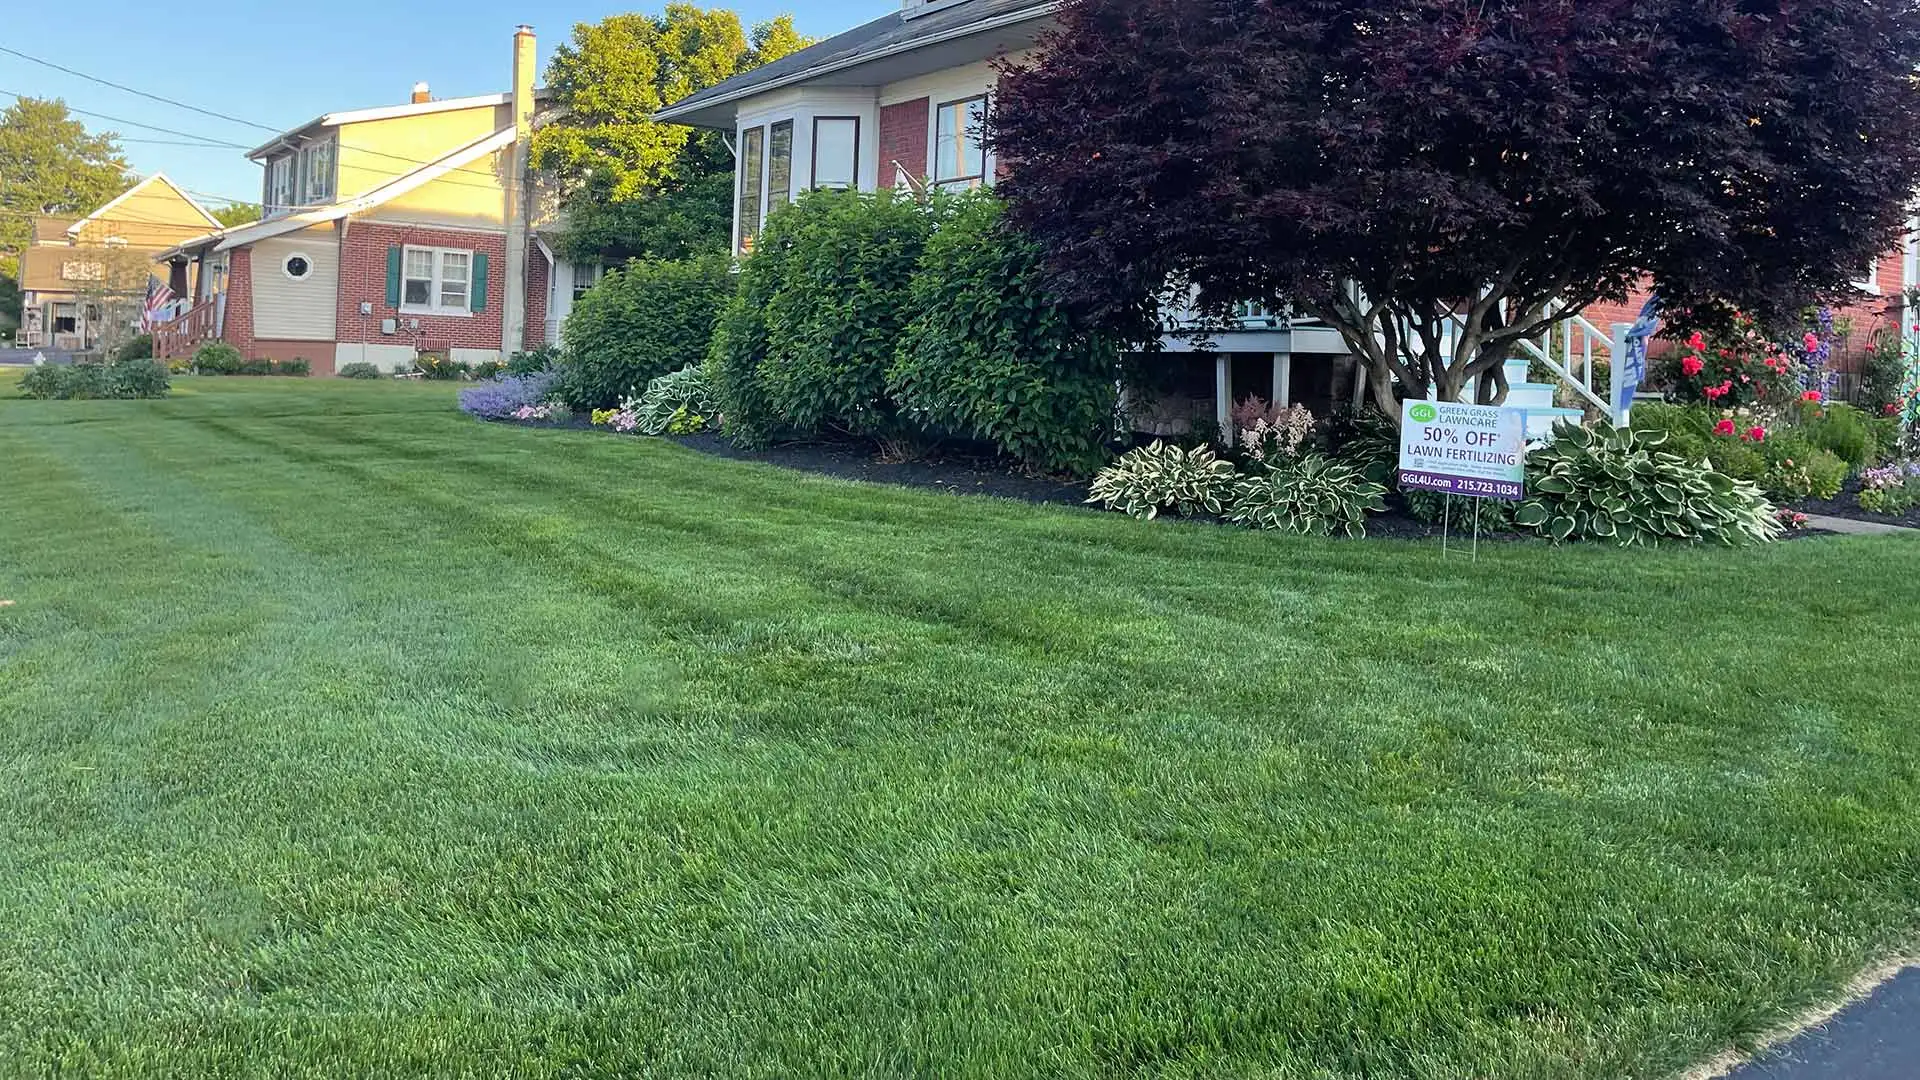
(1438, 180)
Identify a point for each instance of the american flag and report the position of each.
(159, 295)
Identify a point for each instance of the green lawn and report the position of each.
(343, 736)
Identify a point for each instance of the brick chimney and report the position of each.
(513, 306)
(421, 95)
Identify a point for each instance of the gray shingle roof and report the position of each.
(888, 34)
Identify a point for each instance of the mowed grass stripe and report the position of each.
(607, 758)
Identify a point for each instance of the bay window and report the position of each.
(960, 157)
(779, 166)
(836, 151)
(752, 149)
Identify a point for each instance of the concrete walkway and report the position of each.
(1859, 528)
(1875, 1038)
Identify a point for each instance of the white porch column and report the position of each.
(1222, 397)
(1283, 379)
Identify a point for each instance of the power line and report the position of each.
(138, 124)
(131, 90)
(208, 112)
(175, 142)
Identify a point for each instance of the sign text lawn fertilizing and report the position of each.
(1476, 450)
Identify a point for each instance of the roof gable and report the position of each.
(890, 35)
(120, 204)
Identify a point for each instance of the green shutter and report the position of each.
(393, 277)
(479, 295)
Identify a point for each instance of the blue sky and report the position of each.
(302, 61)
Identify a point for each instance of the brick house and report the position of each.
(896, 102)
(387, 232)
(78, 275)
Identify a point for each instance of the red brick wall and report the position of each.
(903, 138)
(363, 278)
(538, 272)
(237, 330)
(1862, 320)
(319, 354)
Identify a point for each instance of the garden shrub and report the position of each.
(680, 403)
(439, 367)
(298, 366)
(217, 358)
(505, 397)
(639, 323)
(136, 378)
(532, 360)
(1365, 439)
(1310, 494)
(739, 342)
(990, 354)
(138, 347)
(1621, 485)
(1739, 367)
(1842, 429)
(836, 314)
(358, 369)
(1796, 469)
(1162, 477)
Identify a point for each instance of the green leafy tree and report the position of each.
(49, 164)
(236, 213)
(630, 186)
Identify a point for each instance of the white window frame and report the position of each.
(1871, 283)
(307, 193)
(813, 153)
(288, 258)
(435, 284)
(585, 276)
(960, 181)
(280, 184)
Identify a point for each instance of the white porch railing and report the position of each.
(1572, 350)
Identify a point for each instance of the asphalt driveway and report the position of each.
(1876, 1038)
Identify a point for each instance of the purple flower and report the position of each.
(499, 399)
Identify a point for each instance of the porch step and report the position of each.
(1528, 395)
(1539, 422)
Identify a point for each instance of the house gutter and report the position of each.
(671, 112)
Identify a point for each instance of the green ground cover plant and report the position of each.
(344, 736)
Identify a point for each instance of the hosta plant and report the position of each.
(1310, 494)
(674, 402)
(1620, 485)
(1162, 477)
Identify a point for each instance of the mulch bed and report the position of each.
(965, 471)
(1847, 505)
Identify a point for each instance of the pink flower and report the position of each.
(1893, 407)
(1724, 427)
(1811, 395)
(1697, 342)
(1811, 342)
(1691, 366)
(1758, 434)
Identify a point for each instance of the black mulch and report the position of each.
(965, 471)
(1847, 505)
